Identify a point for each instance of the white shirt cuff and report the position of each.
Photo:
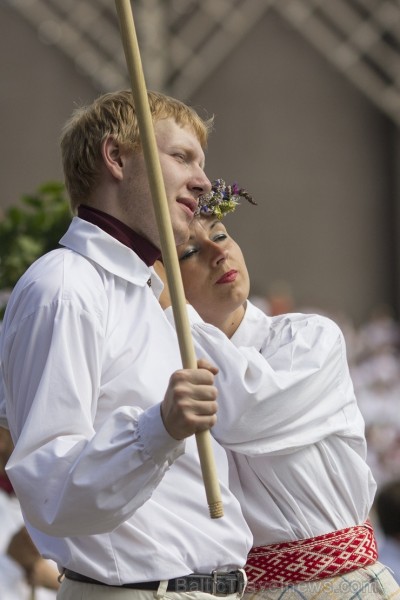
(156, 440)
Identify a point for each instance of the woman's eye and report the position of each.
(219, 237)
(180, 157)
(188, 254)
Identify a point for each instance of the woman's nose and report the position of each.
(218, 254)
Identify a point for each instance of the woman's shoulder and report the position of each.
(308, 329)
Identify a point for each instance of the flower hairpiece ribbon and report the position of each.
(222, 199)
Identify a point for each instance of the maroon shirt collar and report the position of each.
(124, 234)
(5, 484)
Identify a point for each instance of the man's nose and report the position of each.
(201, 183)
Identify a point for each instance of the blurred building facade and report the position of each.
(306, 117)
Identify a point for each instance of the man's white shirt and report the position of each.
(86, 355)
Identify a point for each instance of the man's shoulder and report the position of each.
(57, 269)
(60, 277)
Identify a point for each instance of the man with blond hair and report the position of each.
(100, 411)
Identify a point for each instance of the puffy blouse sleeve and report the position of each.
(283, 382)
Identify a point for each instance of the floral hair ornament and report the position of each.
(222, 199)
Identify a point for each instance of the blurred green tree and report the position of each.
(32, 229)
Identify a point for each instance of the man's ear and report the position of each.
(113, 157)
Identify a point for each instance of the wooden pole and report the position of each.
(168, 247)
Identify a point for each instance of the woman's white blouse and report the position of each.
(86, 356)
(294, 433)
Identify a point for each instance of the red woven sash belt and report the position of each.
(324, 556)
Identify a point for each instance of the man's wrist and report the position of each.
(158, 443)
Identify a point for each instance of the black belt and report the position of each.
(218, 583)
